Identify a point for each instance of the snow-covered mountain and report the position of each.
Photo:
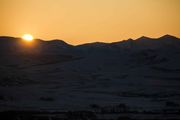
(143, 74)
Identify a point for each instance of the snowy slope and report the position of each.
(143, 74)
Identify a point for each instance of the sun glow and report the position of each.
(27, 37)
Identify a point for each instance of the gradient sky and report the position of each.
(82, 21)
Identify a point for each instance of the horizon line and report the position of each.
(48, 40)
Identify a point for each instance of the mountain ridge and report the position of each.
(9, 45)
(142, 38)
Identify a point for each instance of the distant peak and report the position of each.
(57, 41)
(144, 38)
(130, 39)
(99, 42)
(7, 37)
(167, 36)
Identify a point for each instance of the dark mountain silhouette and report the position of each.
(11, 45)
(14, 44)
(167, 36)
(16, 51)
(142, 43)
(169, 41)
(58, 48)
(59, 43)
(122, 44)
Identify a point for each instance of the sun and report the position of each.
(27, 37)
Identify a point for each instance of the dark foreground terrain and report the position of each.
(104, 114)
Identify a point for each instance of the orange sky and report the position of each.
(82, 21)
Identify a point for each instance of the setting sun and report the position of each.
(27, 37)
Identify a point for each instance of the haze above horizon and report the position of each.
(84, 21)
